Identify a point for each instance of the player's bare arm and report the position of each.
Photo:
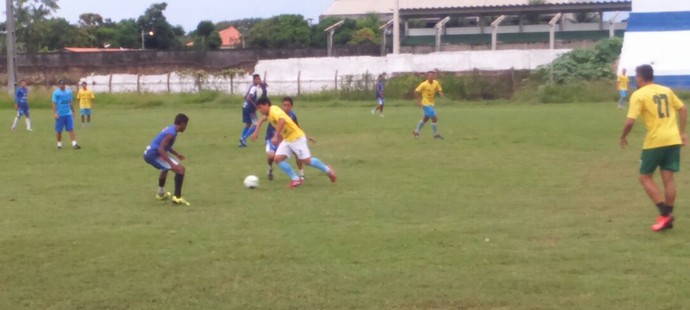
(682, 120)
(255, 135)
(627, 127)
(53, 105)
(418, 99)
(279, 128)
(164, 154)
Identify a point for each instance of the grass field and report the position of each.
(520, 207)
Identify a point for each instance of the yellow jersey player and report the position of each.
(425, 95)
(664, 116)
(294, 140)
(85, 97)
(622, 87)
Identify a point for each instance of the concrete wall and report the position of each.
(308, 75)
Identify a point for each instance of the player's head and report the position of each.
(256, 79)
(83, 85)
(263, 104)
(381, 78)
(644, 75)
(623, 71)
(287, 103)
(181, 121)
(22, 83)
(430, 76)
(61, 84)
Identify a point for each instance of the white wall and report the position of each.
(310, 75)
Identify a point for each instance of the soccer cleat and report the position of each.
(270, 175)
(76, 147)
(163, 196)
(29, 129)
(437, 136)
(301, 177)
(663, 222)
(331, 174)
(180, 201)
(59, 147)
(242, 143)
(381, 115)
(415, 134)
(295, 183)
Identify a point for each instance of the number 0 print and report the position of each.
(661, 101)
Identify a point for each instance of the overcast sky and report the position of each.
(188, 13)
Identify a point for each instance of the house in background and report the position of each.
(230, 38)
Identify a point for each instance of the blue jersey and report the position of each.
(270, 130)
(250, 97)
(379, 90)
(20, 97)
(62, 100)
(152, 149)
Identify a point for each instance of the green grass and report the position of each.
(520, 207)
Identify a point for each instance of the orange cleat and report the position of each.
(663, 222)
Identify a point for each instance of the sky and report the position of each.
(188, 13)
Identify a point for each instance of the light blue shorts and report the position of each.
(429, 111)
(623, 93)
(85, 112)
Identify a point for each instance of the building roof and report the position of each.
(230, 37)
(362, 7)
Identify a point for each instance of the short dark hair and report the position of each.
(646, 72)
(263, 100)
(288, 99)
(256, 76)
(181, 119)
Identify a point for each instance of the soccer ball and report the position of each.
(251, 182)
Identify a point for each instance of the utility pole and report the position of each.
(11, 50)
(396, 28)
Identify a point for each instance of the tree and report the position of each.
(164, 35)
(30, 16)
(204, 36)
(283, 31)
(342, 34)
(90, 20)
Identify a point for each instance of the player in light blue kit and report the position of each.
(249, 110)
(21, 105)
(63, 112)
(156, 155)
(271, 148)
(379, 96)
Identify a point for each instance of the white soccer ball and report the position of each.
(251, 182)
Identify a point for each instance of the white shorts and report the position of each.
(299, 147)
(380, 100)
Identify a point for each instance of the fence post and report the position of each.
(169, 90)
(138, 83)
(110, 84)
(299, 83)
(336, 80)
(232, 85)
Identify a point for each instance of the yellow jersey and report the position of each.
(657, 105)
(428, 91)
(85, 97)
(291, 131)
(622, 82)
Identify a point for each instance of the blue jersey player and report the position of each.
(379, 96)
(21, 105)
(63, 112)
(271, 148)
(249, 109)
(157, 155)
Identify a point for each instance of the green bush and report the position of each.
(583, 64)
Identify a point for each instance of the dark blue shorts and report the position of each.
(23, 111)
(249, 116)
(64, 123)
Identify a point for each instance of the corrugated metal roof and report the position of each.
(360, 7)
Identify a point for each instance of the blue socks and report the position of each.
(246, 132)
(419, 126)
(285, 167)
(433, 127)
(318, 164)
